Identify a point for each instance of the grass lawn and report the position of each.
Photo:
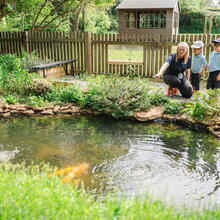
(127, 53)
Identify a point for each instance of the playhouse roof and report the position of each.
(147, 4)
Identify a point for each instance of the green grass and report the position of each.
(126, 54)
(29, 193)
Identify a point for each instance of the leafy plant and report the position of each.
(119, 97)
(64, 94)
(205, 105)
(36, 101)
(11, 99)
(173, 107)
(39, 86)
(157, 98)
(14, 77)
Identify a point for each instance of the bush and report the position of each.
(66, 94)
(32, 59)
(11, 99)
(158, 98)
(119, 97)
(205, 106)
(39, 86)
(173, 107)
(36, 101)
(14, 77)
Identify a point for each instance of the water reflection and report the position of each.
(169, 162)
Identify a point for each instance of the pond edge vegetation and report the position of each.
(24, 93)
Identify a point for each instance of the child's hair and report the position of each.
(186, 56)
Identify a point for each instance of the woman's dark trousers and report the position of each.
(179, 81)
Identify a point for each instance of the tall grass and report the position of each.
(29, 193)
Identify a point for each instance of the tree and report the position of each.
(48, 14)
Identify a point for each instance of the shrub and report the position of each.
(39, 86)
(157, 98)
(11, 99)
(36, 101)
(205, 105)
(14, 77)
(119, 97)
(173, 107)
(64, 94)
(32, 59)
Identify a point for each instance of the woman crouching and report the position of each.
(173, 70)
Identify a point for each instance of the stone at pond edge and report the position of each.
(6, 115)
(28, 112)
(47, 112)
(151, 114)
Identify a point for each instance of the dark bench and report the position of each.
(63, 63)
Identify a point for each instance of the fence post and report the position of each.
(25, 41)
(88, 52)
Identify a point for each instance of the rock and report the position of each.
(56, 109)
(38, 109)
(12, 107)
(6, 115)
(20, 106)
(64, 108)
(75, 109)
(8, 155)
(47, 112)
(21, 109)
(15, 112)
(68, 111)
(153, 113)
(1, 110)
(28, 112)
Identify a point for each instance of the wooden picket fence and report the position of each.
(91, 50)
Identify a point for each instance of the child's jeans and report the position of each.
(212, 82)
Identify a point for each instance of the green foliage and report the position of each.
(36, 101)
(14, 77)
(158, 98)
(32, 59)
(39, 87)
(97, 21)
(119, 97)
(30, 193)
(173, 107)
(64, 94)
(205, 105)
(11, 99)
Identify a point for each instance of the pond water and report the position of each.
(174, 164)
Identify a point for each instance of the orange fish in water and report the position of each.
(72, 173)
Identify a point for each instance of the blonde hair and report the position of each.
(186, 56)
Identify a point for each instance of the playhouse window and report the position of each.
(149, 19)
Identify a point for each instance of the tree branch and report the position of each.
(53, 11)
(44, 27)
(35, 20)
(63, 14)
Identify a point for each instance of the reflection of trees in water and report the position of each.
(199, 149)
(73, 139)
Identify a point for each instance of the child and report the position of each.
(199, 64)
(214, 67)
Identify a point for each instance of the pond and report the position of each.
(174, 164)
